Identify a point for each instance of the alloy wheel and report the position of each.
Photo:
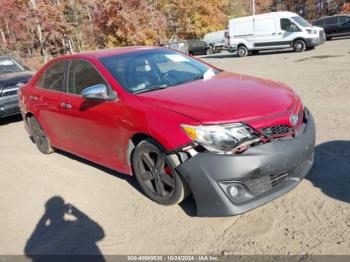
(156, 174)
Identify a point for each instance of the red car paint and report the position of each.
(101, 131)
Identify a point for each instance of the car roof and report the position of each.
(325, 17)
(110, 52)
(279, 13)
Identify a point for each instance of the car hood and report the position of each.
(315, 28)
(225, 98)
(15, 77)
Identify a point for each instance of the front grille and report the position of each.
(263, 184)
(322, 36)
(9, 90)
(278, 130)
(277, 179)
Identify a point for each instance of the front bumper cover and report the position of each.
(312, 42)
(207, 172)
(9, 106)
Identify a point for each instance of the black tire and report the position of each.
(208, 51)
(159, 181)
(328, 38)
(299, 45)
(38, 135)
(242, 51)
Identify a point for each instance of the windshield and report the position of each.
(301, 21)
(9, 65)
(149, 70)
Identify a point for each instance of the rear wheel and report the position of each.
(299, 45)
(159, 181)
(41, 140)
(242, 51)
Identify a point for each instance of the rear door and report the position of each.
(92, 126)
(45, 100)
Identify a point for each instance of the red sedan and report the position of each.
(179, 125)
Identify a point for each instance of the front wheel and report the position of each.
(208, 51)
(159, 181)
(299, 46)
(242, 51)
(40, 138)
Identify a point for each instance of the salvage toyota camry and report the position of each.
(179, 125)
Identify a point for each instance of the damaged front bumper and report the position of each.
(225, 185)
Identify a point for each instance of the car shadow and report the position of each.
(331, 170)
(261, 53)
(10, 119)
(63, 233)
(188, 205)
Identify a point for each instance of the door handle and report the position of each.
(273, 33)
(66, 106)
(33, 98)
(280, 33)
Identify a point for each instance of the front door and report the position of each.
(332, 26)
(288, 31)
(92, 126)
(344, 22)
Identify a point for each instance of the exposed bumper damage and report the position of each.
(225, 185)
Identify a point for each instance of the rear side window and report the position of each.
(53, 77)
(332, 21)
(82, 75)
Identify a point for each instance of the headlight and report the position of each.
(222, 138)
(311, 31)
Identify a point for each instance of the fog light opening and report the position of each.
(233, 191)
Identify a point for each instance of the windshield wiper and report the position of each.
(149, 90)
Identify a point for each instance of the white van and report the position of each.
(217, 40)
(270, 31)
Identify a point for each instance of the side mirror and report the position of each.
(99, 92)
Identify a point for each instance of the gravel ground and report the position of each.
(111, 216)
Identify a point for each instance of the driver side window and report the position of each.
(288, 26)
(82, 75)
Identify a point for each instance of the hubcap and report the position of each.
(299, 46)
(156, 174)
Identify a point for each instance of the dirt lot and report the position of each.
(115, 218)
